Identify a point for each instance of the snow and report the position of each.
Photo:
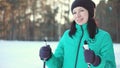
(25, 54)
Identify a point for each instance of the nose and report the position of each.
(78, 15)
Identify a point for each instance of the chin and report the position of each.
(80, 23)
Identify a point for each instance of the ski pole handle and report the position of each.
(86, 47)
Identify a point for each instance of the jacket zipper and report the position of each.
(78, 49)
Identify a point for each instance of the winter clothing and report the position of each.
(87, 4)
(66, 52)
(45, 52)
(90, 57)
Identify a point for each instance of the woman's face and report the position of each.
(80, 15)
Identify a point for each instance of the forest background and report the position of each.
(36, 20)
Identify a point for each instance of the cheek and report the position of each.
(74, 17)
(86, 17)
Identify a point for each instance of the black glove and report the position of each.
(45, 52)
(90, 57)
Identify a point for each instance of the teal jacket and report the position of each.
(66, 51)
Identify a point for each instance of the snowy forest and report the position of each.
(35, 20)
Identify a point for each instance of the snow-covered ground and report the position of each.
(25, 54)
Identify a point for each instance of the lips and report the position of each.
(79, 20)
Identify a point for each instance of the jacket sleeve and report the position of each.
(56, 61)
(107, 53)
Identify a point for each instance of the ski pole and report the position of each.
(44, 62)
(44, 59)
(86, 48)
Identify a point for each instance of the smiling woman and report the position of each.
(70, 53)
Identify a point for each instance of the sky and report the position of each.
(96, 1)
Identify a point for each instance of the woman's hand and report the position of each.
(91, 58)
(45, 52)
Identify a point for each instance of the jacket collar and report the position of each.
(78, 27)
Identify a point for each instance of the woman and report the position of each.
(70, 52)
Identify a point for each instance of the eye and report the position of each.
(74, 12)
(81, 10)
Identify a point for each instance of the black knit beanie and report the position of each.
(87, 4)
